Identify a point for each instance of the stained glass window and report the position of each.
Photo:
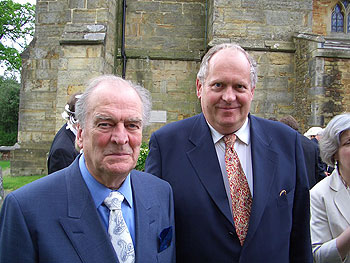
(337, 20)
(345, 3)
(340, 19)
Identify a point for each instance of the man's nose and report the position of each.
(119, 134)
(229, 94)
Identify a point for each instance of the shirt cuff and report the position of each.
(327, 252)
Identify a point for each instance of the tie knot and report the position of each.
(114, 200)
(230, 140)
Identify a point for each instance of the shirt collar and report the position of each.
(98, 191)
(243, 134)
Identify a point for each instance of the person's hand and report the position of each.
(343, 243)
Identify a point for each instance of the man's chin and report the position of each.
(229, 126)
(119, 168)
(116, 172)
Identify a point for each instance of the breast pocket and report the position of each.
(285, 198)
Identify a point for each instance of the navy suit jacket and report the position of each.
(183, 153)
(54, 219)
(62, 152)
(311, 153)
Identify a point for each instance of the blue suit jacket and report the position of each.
(183, 153)
(54, 219)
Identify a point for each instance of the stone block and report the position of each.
(57, 6)
(84, 63)
(171, 7)
(81, 16)
(73, 4)
(102, 15)
(73, 51)
(143, 6)
(234, 14)
(50, 18)
(97, 4)
(94, 51)
(196, 10)
(45, 74)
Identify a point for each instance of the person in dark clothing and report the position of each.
(63, 151)
(217, 220)
(315, 134)
(311, 152)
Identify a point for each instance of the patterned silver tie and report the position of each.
(118, 230)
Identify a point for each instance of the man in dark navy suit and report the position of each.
(191, 155)
(63, 150)
(311, 152)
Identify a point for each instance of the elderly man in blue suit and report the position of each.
(66, 216)
(239, 181)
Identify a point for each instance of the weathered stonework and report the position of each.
(301, 69)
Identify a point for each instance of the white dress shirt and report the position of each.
(243, 149)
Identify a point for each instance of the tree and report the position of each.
(16, 26)
(9, 103)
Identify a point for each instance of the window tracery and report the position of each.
(341, 17)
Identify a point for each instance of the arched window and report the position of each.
(337, 19)
(341, 17)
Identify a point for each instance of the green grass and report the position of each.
(4, 165)
(11, 183)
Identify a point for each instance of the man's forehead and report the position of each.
(107, 91)
(106, 116)
(111, 85)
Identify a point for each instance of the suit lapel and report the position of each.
(264, 161)
(205, 162)
(341, 198)
(83, 225)
(143, 219)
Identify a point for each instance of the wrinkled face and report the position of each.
(227, 93)
(343, 153)
(112, 134)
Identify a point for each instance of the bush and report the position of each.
(142, 157)
(7, 138)
(9, 105)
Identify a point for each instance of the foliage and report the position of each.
(4, 165)
(11, 183)
(16, 26)
(9, 104)
(142, 157)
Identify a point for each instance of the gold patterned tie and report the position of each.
(239, 189)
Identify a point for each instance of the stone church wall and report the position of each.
(164, 42)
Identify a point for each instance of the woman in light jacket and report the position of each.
(330, 198)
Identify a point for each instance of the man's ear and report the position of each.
(252, 91)
(199, 88)
(79, 137)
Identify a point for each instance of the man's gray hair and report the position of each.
(203, 70)
(330, 141)
(81, 106)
